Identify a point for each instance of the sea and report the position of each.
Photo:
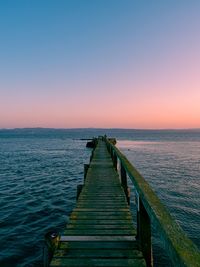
(41, 168)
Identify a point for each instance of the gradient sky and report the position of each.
(100, 63)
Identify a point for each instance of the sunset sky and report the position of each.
(100, 63)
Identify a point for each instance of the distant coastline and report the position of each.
(156, 135)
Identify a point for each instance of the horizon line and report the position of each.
(99, 128)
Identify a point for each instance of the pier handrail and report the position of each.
(182, 251)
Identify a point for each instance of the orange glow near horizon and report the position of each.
(118, 110)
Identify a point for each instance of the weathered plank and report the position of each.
(106, 253)
(106, 212)
(99, 232)
(98, 217)
(103, 245)
(100, 226)
(101, 221)
(96, 209)
(97, 262)
(100, 238)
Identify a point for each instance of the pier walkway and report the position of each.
(100, 231)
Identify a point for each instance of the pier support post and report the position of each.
(79, 189)
(110, 150)
(86, 167)
(51, 243)
(144, 231)
(92, 154)
(115, 160)
(124, 182)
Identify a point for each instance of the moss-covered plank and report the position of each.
(63, 262)
(99, 253)
(99, 232)
(96, 209)
(100, 217)
(122, 245)
(102, 213)
(100, 221)
(100, 226)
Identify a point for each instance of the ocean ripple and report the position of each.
(38, 180)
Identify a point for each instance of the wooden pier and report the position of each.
(101, 232)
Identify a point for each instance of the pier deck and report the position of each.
(100, 231)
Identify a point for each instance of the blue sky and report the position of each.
(62, 59)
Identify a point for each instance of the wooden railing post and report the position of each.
(111, 152)
(109, 148)
(124, 182)
(144, 231)
(115, 160)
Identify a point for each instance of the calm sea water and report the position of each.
(40, 169)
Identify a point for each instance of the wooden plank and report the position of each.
(103, 217)
(102, 227)
(92, 204)
(102, 213)
(122, 245)
(96, 209)
(100, 232)
(101, 206)
(101, 198)
(97, 262)
(111, 200)
(106, 253)
(101, 221)
(103, 238)
(105, 204)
